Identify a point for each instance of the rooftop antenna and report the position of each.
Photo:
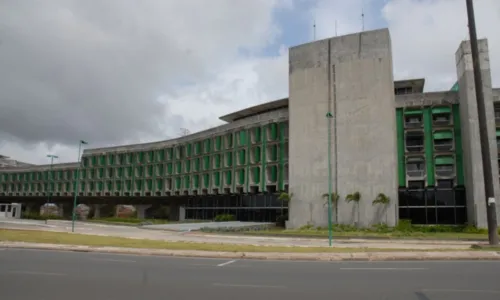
(314, 30)
(185, 131)
(335, 27)
(362, 19)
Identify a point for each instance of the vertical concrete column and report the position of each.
(61, 209)
(97, 211)
(177, 212)
(351, 77)
(471, 145)
(141, 211)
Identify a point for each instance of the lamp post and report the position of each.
(77, 179)
(329, 117)
(51, 179)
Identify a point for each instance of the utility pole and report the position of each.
(491, 213)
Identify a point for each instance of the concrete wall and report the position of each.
(473, 170)
(426, 99)
(351, 76)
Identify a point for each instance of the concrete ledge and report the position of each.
(354, 256)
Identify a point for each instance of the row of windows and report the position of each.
(444, 205)
(442, 141)
(205, 163)
(441, 116)
(255, 176)
(244, 138)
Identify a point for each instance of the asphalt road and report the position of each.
(30, 274)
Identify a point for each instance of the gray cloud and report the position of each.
(95, 69)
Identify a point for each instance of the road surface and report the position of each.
(50, 275)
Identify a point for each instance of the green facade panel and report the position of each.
(216, 179)
(218, 143)
(458, 145)
(445, 160)
(443, 135)
(429, 150)
(441, 110)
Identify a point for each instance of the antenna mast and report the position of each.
(362, 19)
(314, 30)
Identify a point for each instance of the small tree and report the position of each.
(284, 197)
(354, 197)
(383, 200)
(335, 199)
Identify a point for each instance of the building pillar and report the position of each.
(141, 210)
(177, 212)
(471, 144)
(60, 210)
(97, 211)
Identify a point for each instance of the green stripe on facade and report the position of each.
(247, 159)
(429, 151)
(458, 145)
(443, 135)
(401, 147)
(413, 112)
(441, 110)
(281, 171)
(444, 160)
(264, 162)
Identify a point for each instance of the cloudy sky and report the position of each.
(128, 71)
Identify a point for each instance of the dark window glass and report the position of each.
(446, 215)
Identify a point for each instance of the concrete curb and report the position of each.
(354, 256)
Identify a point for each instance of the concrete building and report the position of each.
(406, 153)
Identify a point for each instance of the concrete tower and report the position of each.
(351, 77)
(473, 169)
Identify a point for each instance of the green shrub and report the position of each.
(37, 216)
(404, 226)
(225, 218)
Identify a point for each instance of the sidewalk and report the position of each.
(358, 256)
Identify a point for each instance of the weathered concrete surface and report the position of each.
(473, 169)
(351, 77)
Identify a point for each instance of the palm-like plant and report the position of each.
(284, 197)
(356, 196)
(381, 199)
(335, 198)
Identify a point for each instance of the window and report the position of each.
(412, 121)
(415, 141)
(403, 90)
(441, 115)
(445, 166)
(415, 167)
(443, 140)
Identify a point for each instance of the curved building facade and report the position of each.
(347, 127)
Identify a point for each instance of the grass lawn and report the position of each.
(32, 236)
(367, 234)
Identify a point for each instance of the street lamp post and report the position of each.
(329, 117)
(77, 179)
(51, 179)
